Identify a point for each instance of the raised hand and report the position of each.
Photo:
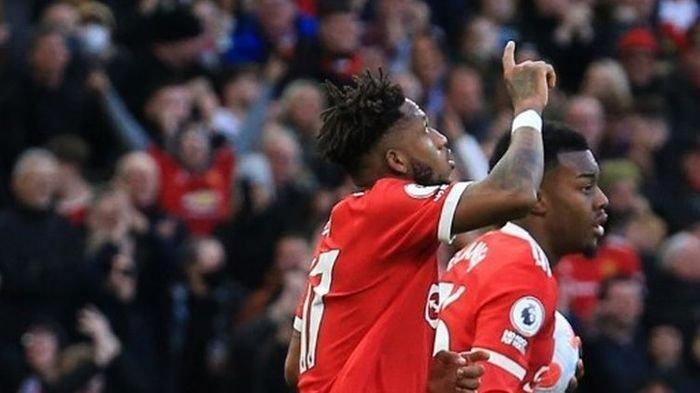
(528, 82)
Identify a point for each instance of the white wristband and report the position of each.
(529, 118)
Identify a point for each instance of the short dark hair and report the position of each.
(358, 117)
(608, 283)
(556, 138)
(69, 148)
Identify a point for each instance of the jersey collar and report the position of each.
(537, 252)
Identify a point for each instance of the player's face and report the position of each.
(430, 159)
(575, 203)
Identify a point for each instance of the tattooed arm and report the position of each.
(510, 190)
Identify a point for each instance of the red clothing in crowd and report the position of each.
(200, 200)
(580, 277)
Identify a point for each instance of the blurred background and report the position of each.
(160, 192)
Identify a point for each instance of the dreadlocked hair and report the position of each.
(358, 117)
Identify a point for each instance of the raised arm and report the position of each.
(510, 190)
(127, 128)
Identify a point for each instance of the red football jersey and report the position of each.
(200, 200)
(499, 295)
(366, 322)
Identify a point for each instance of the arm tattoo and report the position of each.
(522, 165)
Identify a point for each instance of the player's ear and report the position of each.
(540, 207)
(397, 162)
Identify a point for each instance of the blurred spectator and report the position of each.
(63, 16)
(258, 223)
(164, 93)
(585, 114)
(638, 50)
(649, 133)
(606, 80)
(174, 43)
(239, 92)
(464, 121)
(165, 111)
(334, 54)
(675, 295)
(684, 92)
(481, 48)
(293, 185)
(464, 100)
(74, 193)
(195, 176)
(275, 27)
(56, 368)
(411, 86)
(141, 368)
(45, 98)
(292, 253)
(563, 32)
(621, 182)
(197, 179)
(156, 248)
(428, 64)
(581, 277)
(397, 22)
(678, 200)
(203, 305)
(260, 345)
(40, 255)
(302, 103)
(666, 354)
(615, 354)
(111, 221)
(676, 16)
(216, 26)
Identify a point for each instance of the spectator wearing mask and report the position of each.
(615, 352)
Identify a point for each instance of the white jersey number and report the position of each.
(313, 308)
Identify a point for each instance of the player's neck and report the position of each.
(540, 234)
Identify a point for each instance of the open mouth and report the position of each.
(600, 221)
(450, 158)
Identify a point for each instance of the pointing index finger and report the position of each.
(509, 56)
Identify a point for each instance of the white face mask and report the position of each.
(95, 38)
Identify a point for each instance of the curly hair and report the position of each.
(358, 117)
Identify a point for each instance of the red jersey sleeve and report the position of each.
(515, 325)
(413, 214)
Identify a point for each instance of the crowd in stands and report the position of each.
(160, 191)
